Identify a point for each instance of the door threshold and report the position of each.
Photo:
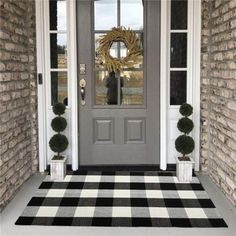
(170, 167)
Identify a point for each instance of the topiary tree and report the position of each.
(184, 143)
(59, 142)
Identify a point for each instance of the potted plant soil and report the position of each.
(58, 143)
(184, 144)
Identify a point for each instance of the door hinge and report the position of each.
(40, 78)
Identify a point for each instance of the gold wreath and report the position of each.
(131, 41)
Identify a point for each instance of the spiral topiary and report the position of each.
(184, 143)
(59, 109)
(186, 110)
(59, 124)
(58, 142)
(185, 125)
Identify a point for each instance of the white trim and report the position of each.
(72, 74)
(168, 112)
(163, 85)
(42, 32)
(42, 136)
(196, 79)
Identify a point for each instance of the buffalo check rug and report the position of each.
(121, 198)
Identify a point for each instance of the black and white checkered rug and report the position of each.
(121, 198)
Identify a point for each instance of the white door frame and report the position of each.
(193, 72)
(195, 32)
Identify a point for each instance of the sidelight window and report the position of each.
(178, 52)
(58, 51)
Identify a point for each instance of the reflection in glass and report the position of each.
(178, 56)
(179, 10)
(58, 50)
(178, 87)
(105, 14)
(59, 88)
(132, 14)
(133, 88)
(100, 87)
(57, 15)
(112, 82)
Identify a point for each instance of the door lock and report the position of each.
(82, 84)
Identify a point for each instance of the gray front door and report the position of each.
(119, 122)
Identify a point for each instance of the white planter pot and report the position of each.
(184, 170)
(58, 169)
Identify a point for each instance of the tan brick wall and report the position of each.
(18, 95)
(218, 94)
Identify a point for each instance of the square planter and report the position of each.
(58, 169)
(184, 170)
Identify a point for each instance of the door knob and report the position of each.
(82, 84)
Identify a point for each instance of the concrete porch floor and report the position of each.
(17, 205)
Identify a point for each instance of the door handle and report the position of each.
(82, 84)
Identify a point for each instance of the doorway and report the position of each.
(119, 121)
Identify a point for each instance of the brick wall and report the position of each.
(18, 110)
(218, 94)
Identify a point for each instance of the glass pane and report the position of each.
(179, 9)
(105, 14)
(59, 87)
(106, 89)
(178, 87)
(178, 54)
(98, 63)
(132, 88)
(58, 50)
(132, 14)
(57, 15)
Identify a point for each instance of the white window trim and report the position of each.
(42, 32)
(194, 54)
(163, 85)
(196, 75)
(42, 134)
(72, 75)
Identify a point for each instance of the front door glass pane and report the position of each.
(132, 14)
(105, 14)
(101, 87)
(132, 88)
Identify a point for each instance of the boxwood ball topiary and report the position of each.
(185, 125)
(59, 109)
(59, 124)
(58, 143)
(186, 109)
(184, 144)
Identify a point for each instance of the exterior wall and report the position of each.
(18, 96)
(218, 94)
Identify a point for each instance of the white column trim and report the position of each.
(72, 75)
(163, 84)
(42, 135)
(196, 75)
